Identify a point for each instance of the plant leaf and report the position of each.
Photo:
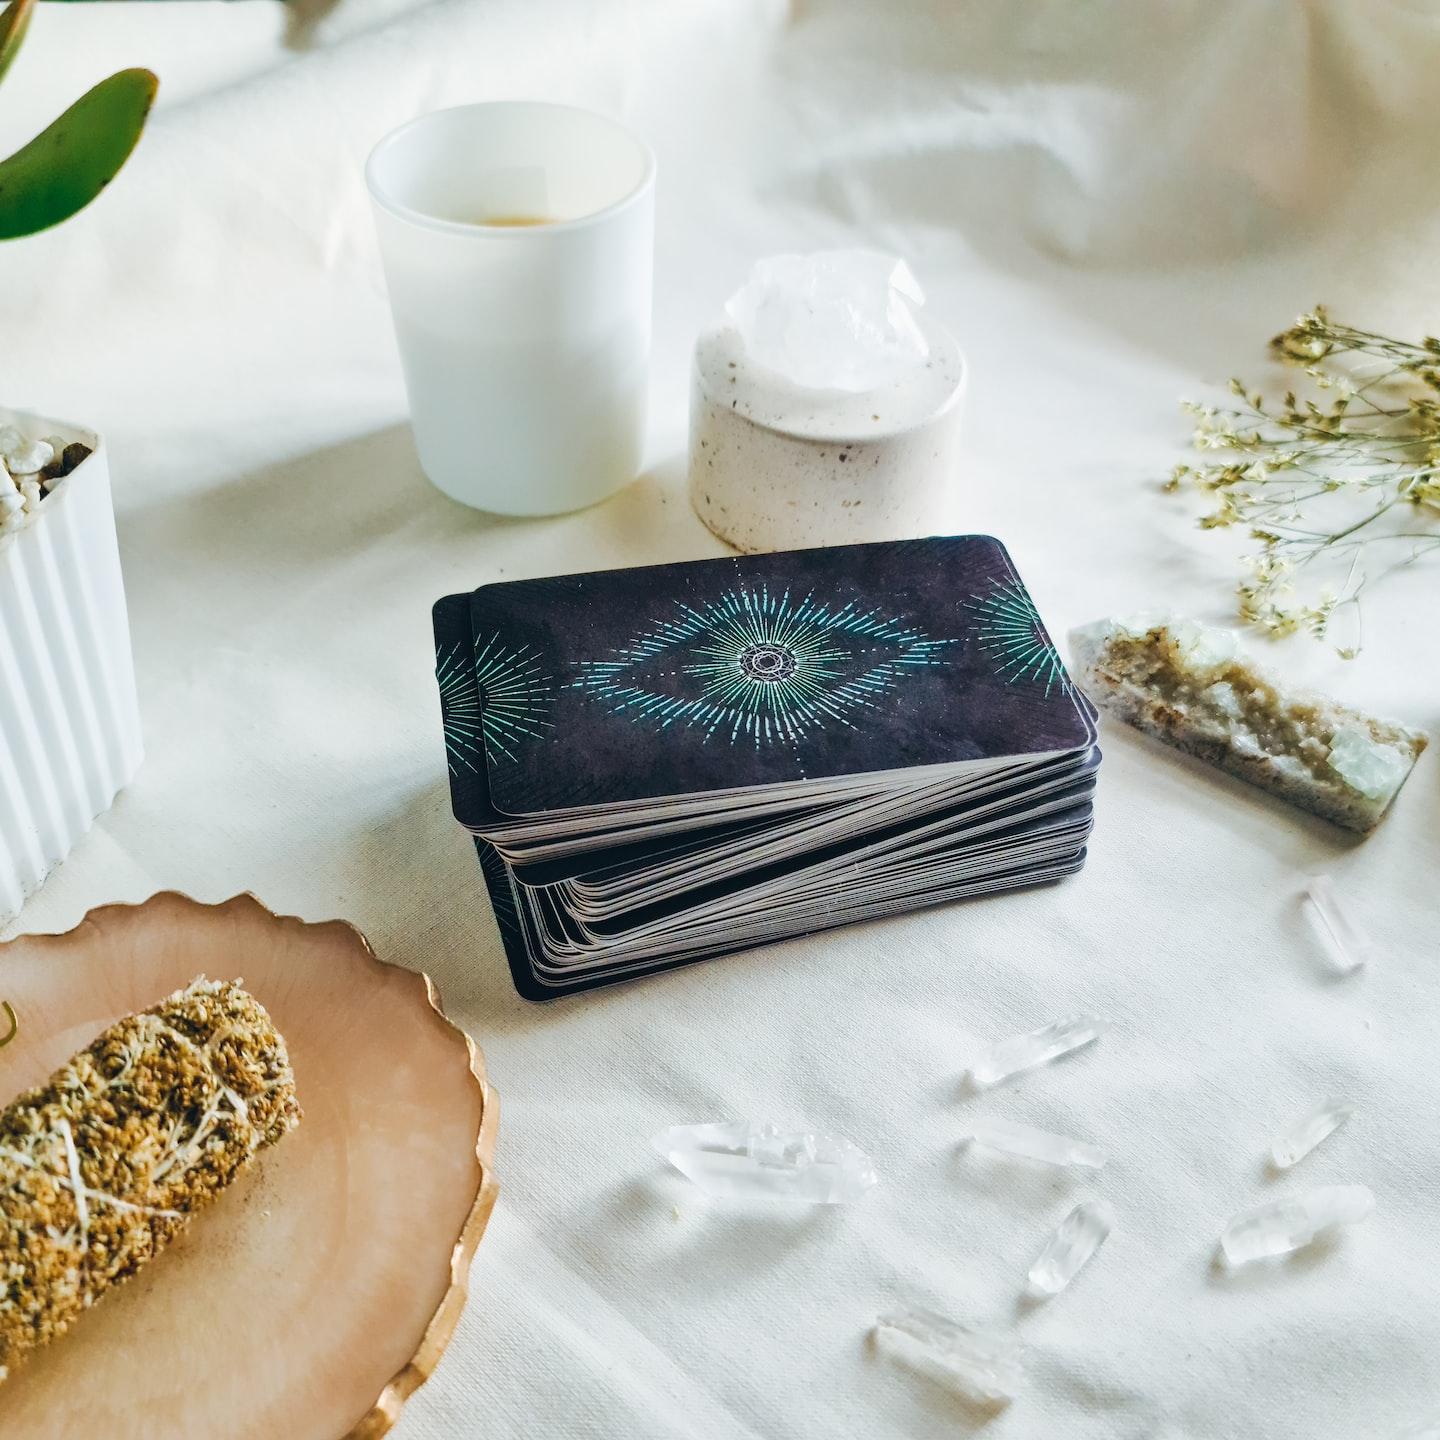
(68, 164)
(13, 24)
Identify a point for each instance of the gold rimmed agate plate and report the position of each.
(314, 1296)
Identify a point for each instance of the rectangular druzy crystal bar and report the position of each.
(102, 1166)
(1189, 685)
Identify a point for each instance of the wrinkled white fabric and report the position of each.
(1113, 206)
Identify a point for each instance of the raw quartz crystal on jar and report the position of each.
(834, 320)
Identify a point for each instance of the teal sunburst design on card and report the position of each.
(1009, 630)
(459, 709)
(515, 695)
(766, 667)
(490, 700)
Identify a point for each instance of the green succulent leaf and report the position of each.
(13, 24)
(68, 164)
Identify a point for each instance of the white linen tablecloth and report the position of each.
(1113, 205)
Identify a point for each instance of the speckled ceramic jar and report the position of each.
(777, 466)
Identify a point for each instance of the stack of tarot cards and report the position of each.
(669, 763)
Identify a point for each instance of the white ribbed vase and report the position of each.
(69, 719)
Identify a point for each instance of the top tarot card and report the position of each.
(778, 670)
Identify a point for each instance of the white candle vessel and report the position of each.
(517, 240)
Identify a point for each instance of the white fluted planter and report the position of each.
(69, 719)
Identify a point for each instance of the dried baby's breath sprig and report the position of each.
(1336, 489)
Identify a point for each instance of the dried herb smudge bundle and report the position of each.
(101, 1167)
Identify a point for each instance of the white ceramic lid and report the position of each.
(768, 399)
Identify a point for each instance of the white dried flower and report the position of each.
(1336, 489)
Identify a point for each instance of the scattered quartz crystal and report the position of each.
(1306, 1133)
(1079, 1235)
(29, 471)
(983, 1366)
(1038, 1047)
(737, 1159)
(1031, 1144)
(834, 320)
(1189, 685)
(1347, 945)
(1281, 1226)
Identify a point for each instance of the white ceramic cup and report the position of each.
(525, 347)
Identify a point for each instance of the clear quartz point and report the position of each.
(1293, 1223)
(1078, 1236)
(1307, 1132)
(1038, 1047)
(982, 1365)
(1032, 1144)
(738, 1159)
(1346, 944)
